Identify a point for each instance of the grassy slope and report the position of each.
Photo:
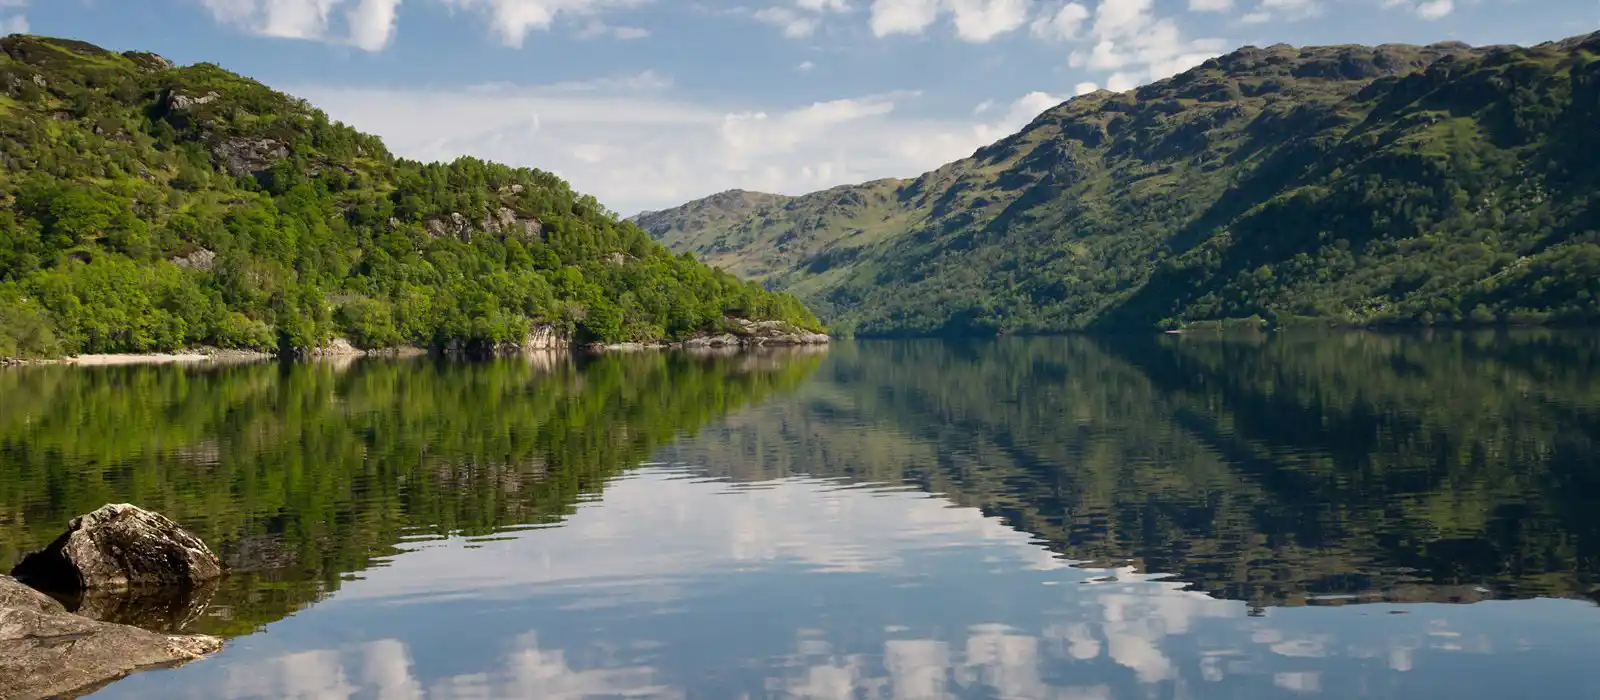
(1394, 184)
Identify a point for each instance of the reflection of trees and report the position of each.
(300, 474)
(1271, 469)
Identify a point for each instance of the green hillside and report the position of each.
(1442, 184)
(146, 206)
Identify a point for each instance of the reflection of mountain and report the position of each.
(675, 586)
(303, 474)
(1279, 470)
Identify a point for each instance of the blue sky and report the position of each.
(649, 103)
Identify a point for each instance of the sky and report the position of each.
(647, 104)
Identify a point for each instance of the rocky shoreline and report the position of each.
(47, 651)
(742, 334)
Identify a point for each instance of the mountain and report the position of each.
(1345, 184)
(146, 206)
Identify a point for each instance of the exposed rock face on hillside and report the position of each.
(1389, 184)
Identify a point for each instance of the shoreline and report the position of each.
(344, 351)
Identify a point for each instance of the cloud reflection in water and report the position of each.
(680, 587)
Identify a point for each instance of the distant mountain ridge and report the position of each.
(1347, 184)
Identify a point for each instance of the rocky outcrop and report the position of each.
(774, 333)
(16, 596)
(338, 347)
(725, 340)
(179, 102)
(199, 259)
(120, 546)
(745, 334)
(502, 222)
(46, 652)
(147, 61)
(454, 225)
(505, 222)
(242, 156)
(545, 337)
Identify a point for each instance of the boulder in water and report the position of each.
(46, 652)
(120, 546)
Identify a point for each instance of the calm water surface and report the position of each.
(1346, 516)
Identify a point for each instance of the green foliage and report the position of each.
(25, 329)
(147, 207)
(301, 474)
(1439, 185)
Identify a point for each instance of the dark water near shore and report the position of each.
(1263, 516)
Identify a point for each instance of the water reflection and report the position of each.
(1284, 469)
(1194, 517)
(952, 604)
(300, 475)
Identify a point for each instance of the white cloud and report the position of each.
(803, 19)
(890, 17)
(794, 24)
(805, 66)
(1129, 41)
(979, 21)
(660, 151)
(1210, 5)
(1084, 88)
(288, 19)
(1286, 11)
(596, 28)
(1436, 9)
(976, 21)
(16, 24)
(511, 20)
(1426, 9)
(372, 23)
(1061, 23)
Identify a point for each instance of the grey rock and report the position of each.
(500, 221)
(243, 156)
(16, 596)
(545, 337)
(725, 340)
(200, 259)
(760, 333)
(46, 652)
(338, 347)
(120, 546)
(178, 102)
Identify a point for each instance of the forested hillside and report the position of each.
(1355, 185)
(146, 206)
